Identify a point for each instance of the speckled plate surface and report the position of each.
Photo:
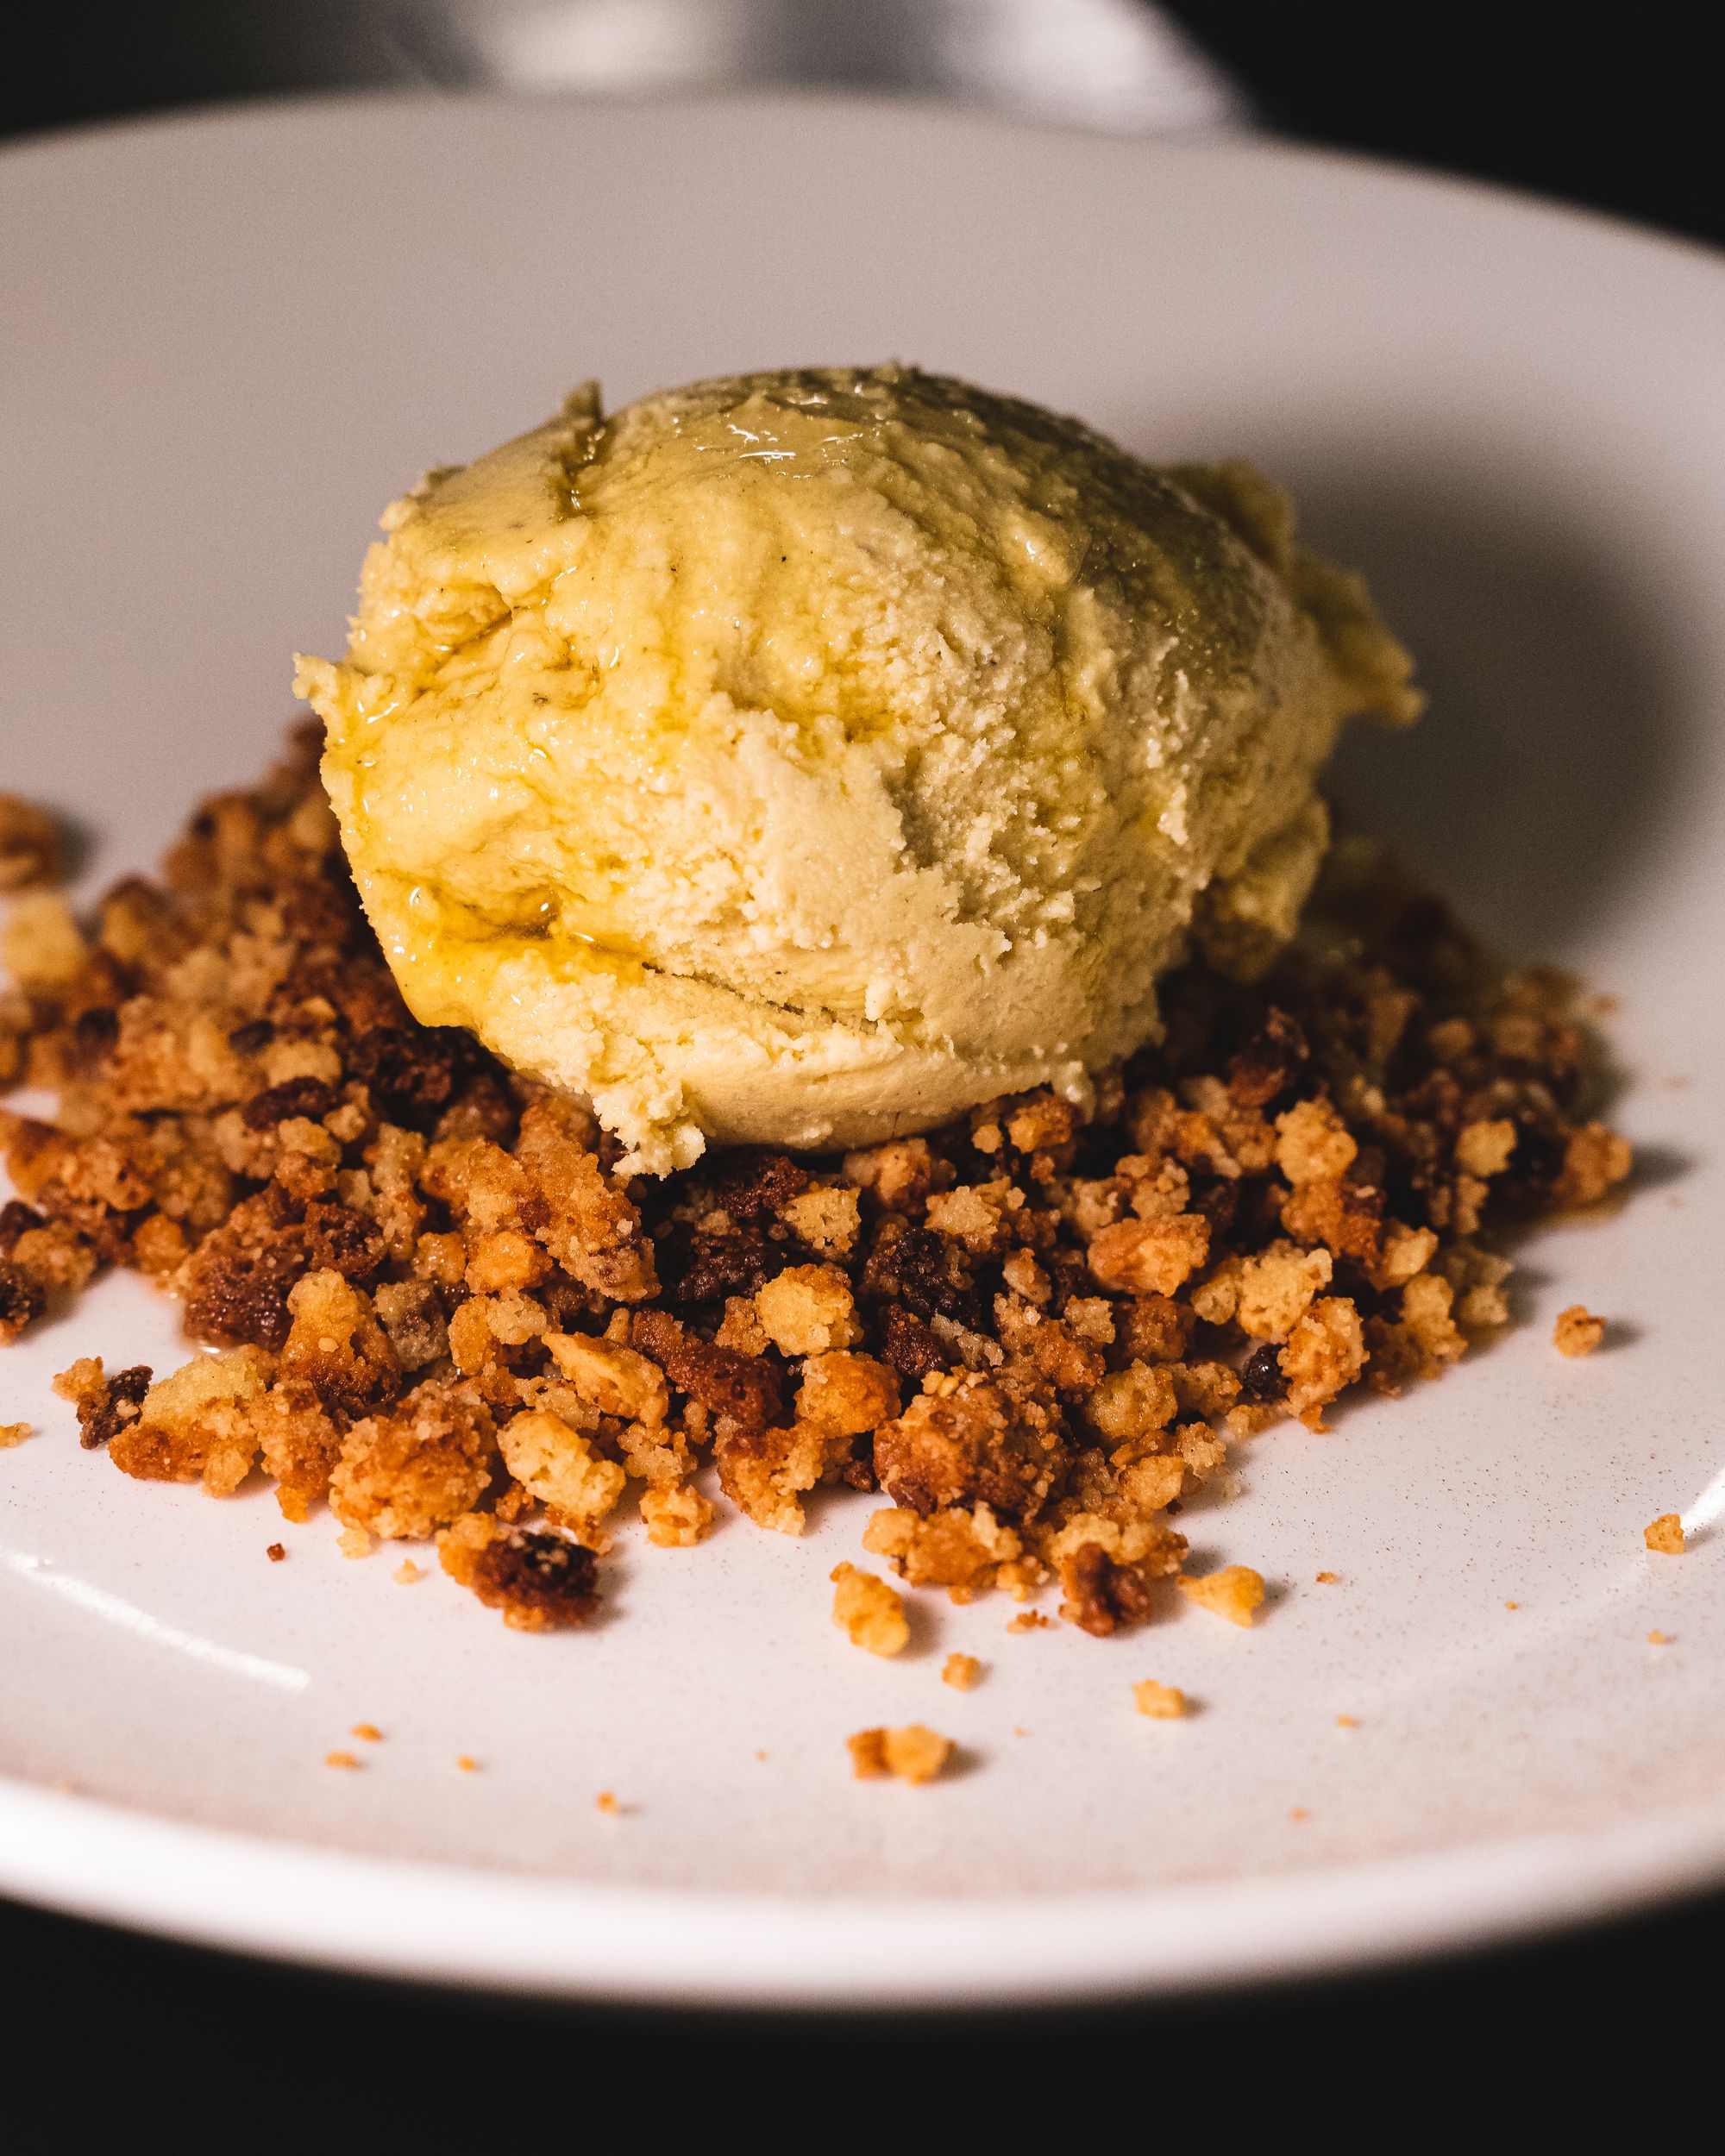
(230, 340)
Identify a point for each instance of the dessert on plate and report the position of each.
(815, 958)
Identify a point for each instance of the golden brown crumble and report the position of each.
(1161, 1703)
(913, 1753)
(13, 1433)
(367, 1732)
(870, 1611)
(606, 1803)
(345, 1760)
(29, 846)
(1329, 1579)
(276, 1551)
(1664, 1534)
(961, 1671)
(1347, 1721)
(1577, 1332)
(466, 1763)
(439, 1310)
(1235, 1592)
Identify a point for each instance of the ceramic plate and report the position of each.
(232, 339)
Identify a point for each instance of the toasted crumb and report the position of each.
(1577, 1332)
(276, 1551)
(1511, 1605)
(353, 1542)
(466, 1763)
(961, 1672)
(13, 1433)
(606, 1803)
(872, 1612)
(1235, 1592)
(912, 1752)
(1030, 1621)
(340, 1759)
(1659, 1639)
(29, 847)
(368, 1732)
(1161, 1703)
(1329, 1579)
(1299, 1812)
(1346, 1721)
(406, 1572)
(1664, 1534)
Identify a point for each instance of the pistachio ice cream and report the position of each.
(803, 758)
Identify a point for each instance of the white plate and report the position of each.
(232, 340)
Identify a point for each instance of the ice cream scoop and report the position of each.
(802, 758)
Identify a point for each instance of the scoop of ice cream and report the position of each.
(802, 758)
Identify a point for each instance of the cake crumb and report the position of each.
(1030, 1621)
(13, 1433)
(1329, 1579)
(961, 1672)
(1347, 1721)
(353, 1542)
(913, 1753)
(872, 1612)
(1664, 1534)
(466, 1763)
(606, 1803)
(345, 1759)
(1160, 1702)
(1235, 1592)
(368, 1732)
(276, 1551)
(1577, 1332)
(1511, 1605)
(406, 1572)
(1659, 1639)
(1299, 1812)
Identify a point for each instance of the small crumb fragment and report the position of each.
(13, 1433)
(1329, 1579)
(1030, 1621)
(1664, 1534)
(1299, 1812)
(1577, 1332)
(29, 846)
(406, 1572)
(276, 1552)
(1161, 1703)
(466, 1763)
(1511, 1605)
(353, 1542)
(759, 1755)
(344, 1759)
(1347, 1721)
(872, 1612)
(606, 1803)
(915, 1753)
(1659, 1639)
(1234, 1592)
(368, 1732)
(961, 1672)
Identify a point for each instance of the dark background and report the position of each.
(116, 2042)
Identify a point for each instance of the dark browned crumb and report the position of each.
(276, 1552)
(442, 1311)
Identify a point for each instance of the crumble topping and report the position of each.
(441, 1310)
(870, 1611)
(1664, 1534)
(1160, 1702)
(961, 1671)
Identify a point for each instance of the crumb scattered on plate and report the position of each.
(961, 1672)
(1329, 1579)
(870, 1611)
(1577, 1332)
(606, 1803)
(1347, 1721)
(13, 1433)
(1160, 1702)
(345, 1759)
(368, 1732)
(913, 1753)
(406, 1572)
(1664, 1534)
(1235, 1592)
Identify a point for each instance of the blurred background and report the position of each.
(1611, 112)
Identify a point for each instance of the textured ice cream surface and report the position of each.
(803, 758)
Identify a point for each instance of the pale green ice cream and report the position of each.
(802, 758)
